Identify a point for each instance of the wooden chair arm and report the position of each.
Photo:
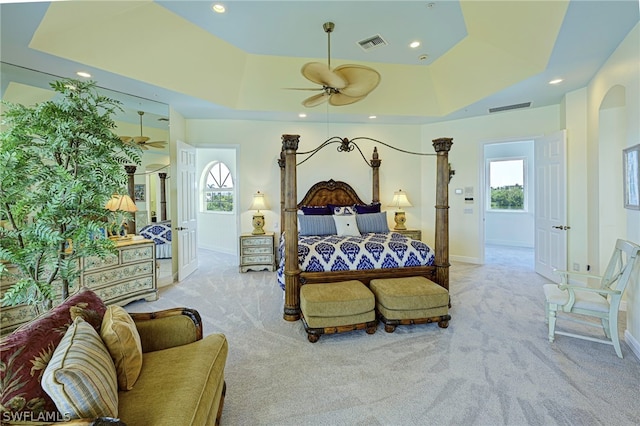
(168, 328)
(565, 274)
(571, 287)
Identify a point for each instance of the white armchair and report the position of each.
(600, 302)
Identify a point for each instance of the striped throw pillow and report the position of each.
(373, 222)
(80, 377)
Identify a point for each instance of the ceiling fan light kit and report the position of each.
(343, 85)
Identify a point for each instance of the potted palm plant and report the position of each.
(61, 161)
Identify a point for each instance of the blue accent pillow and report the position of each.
(316, 225)
(316, 210)
(373, 222)
(367, 208)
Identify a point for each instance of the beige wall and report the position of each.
(466, 157)
(613, 124)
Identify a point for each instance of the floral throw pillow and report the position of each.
(25, 353)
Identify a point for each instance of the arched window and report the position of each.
(218, 192)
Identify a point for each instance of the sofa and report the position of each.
(172, 376)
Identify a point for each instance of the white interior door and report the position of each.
(186, 222)
(551, 205)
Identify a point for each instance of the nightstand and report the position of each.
(416, 234)
(257, 252)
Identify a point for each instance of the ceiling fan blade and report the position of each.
(126, 139)
(339, 99)
(315, 100)
(156, 144)
(321, 74)
(140, 139)
(361, 80)
(315, 89)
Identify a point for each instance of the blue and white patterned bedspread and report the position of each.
(368, 251)
(160, 233)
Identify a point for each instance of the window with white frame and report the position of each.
(218, 189)
(506, 184)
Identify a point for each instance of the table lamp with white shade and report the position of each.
(122, 203)
(258, 204)
(399, 201)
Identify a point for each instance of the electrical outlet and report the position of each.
(576, 267)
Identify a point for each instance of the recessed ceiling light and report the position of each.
(414, 44)
(556, 81)
(372, 117)
(218, 8)
(302, 115)
(83, 74)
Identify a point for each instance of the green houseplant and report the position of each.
(60, 161)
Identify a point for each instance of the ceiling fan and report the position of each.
(344, 84)
(142, 141)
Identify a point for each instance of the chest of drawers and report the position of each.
(257, 252)
(416, 234)
(128, 275)
(118, 279)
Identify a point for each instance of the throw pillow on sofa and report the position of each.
(80, 377)
(120, 336)
(24, 354)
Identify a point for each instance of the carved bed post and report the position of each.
(163, 196)
(131, 170)
(442, 147)
(291, 265)
(375, 166)
(281, 162)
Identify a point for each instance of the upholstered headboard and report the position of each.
(330, 192)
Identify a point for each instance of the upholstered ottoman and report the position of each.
(410, 300)
(337, 307)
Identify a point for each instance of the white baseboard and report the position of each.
(465, 259)
(633, 344)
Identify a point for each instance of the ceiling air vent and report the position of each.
(508, 107)
(372, 42)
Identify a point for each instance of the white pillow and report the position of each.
(346, 225)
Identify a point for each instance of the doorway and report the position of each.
(509, 203)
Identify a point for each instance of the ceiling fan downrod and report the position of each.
(328, 28)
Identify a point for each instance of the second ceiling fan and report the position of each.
(344, 85)
(142, 141)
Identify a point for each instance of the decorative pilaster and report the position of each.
(442, 147)
(291, 265)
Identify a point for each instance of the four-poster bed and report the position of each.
(341, 194)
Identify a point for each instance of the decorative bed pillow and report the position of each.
(24, 354)
(80, 377)
(341, 210)
(121, 337)
(346, 225)
(316, 210)
(367, 208)
(316, 225)
(373, 222)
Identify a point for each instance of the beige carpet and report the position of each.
(492, 366)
